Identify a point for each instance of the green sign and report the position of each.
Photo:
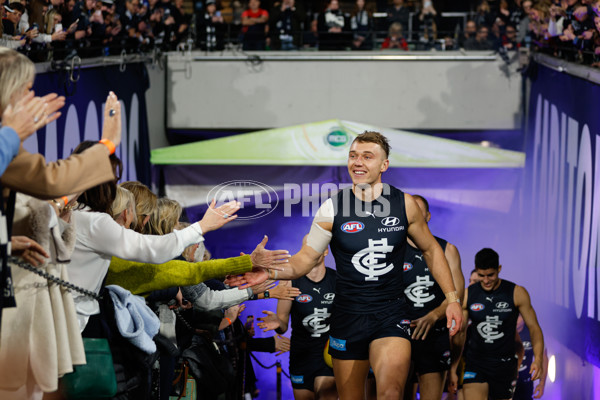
(337, 138)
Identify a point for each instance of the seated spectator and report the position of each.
(211, 28)
(254, 26)
(395, 40)
(286, 25)
(481, 40)
(361, 23)
(332, 26)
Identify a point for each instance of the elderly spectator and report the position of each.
(395, 40)
(254, 26)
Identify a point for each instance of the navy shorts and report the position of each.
(433, 353)
(500, 375)
(306, 365)
(351, 334)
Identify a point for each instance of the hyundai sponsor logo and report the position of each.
(329, 296)
(353, 227)
(502, 304)
(390, 221)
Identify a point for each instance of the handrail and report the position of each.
(581, 71)
(336, 56)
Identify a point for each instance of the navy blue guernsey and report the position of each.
(525, 366)
(493, 317)
(423, 294)
(368, 244)
(311, 311)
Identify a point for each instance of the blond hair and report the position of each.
(16, 71)
(145, 203)
(124, 200)
(167, 217)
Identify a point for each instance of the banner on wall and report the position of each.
(82, 115)
(562, 203)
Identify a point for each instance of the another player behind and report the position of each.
(493, 305)
(525, 389)
(311, 377)
(430, 341)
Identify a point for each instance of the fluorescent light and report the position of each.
(552, 368)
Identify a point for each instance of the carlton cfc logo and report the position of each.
(353, 227)
(407, 266)
(304, 298)
(477, 307)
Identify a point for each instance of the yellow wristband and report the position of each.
(109, 144)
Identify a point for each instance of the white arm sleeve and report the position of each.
(318, 238)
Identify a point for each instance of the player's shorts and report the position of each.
(523, 391)
(351, 334)
(500, 375)
(305, 366)
(433, 353)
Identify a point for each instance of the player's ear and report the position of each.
(499, 268)
(385, 165)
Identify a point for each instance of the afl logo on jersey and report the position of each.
(390, 221)
(407, 266)
(405, 322)
(304, 298)
(477, 307)
(353, 227)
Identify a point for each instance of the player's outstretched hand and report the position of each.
(264, 258)
(269, 322)
(284, 292)
(454, 315)
(282, 344)
(255, 277)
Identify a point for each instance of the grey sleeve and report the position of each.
(210, 300)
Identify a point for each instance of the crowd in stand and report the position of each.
(53, 29)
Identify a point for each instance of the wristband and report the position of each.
(254, 297)
(109, 145)
(452, 297)
(65, 199)
(228, 320)
(267, 294)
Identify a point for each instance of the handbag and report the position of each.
(94, 380)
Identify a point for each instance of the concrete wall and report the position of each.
(444, 90)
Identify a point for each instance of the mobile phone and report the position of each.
(58, 28)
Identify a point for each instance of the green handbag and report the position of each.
(94, 380)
